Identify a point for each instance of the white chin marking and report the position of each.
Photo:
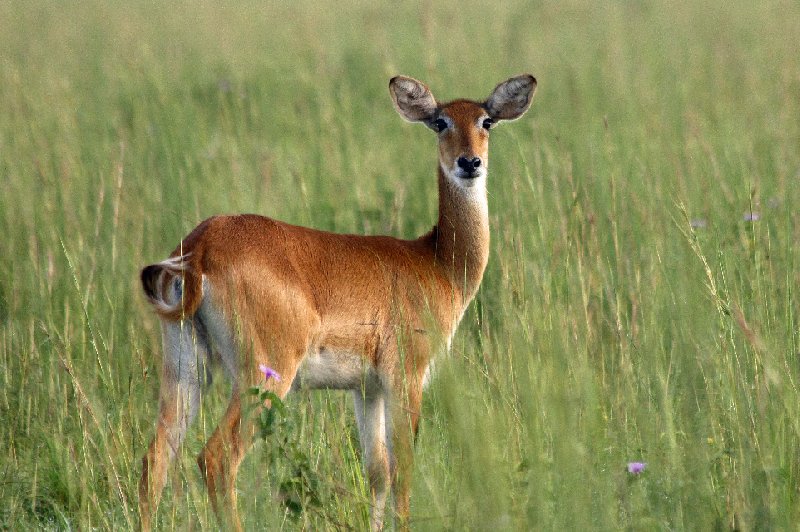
(458, 176)
(470, 182)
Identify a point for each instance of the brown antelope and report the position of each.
(324, 310)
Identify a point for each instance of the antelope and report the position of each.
(326, 311)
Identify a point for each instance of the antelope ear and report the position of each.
(412, 99)
(512, 98)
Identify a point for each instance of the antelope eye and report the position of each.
(440, 124)
(488, 123)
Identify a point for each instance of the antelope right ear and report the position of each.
(412, 99)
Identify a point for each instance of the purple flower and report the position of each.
(635, 468)
(269, 373)
(751, 217)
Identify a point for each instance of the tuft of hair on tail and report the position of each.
(173, 287)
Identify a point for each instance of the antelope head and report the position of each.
(462, 125)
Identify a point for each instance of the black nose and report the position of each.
(469, 165)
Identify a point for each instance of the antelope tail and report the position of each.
(173, 287)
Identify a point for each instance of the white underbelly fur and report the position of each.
(336, 370)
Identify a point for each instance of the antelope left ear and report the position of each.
(512, 98)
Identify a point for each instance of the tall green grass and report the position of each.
(633, 308)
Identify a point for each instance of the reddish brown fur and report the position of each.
(293, 291)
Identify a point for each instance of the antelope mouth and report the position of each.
(468, 177)
(471, 174)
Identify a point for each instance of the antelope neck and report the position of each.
(461, 236)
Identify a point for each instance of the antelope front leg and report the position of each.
(405, 423)
(370, 410)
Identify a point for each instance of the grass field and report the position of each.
(641, 302)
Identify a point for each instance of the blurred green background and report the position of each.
(640, 302)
